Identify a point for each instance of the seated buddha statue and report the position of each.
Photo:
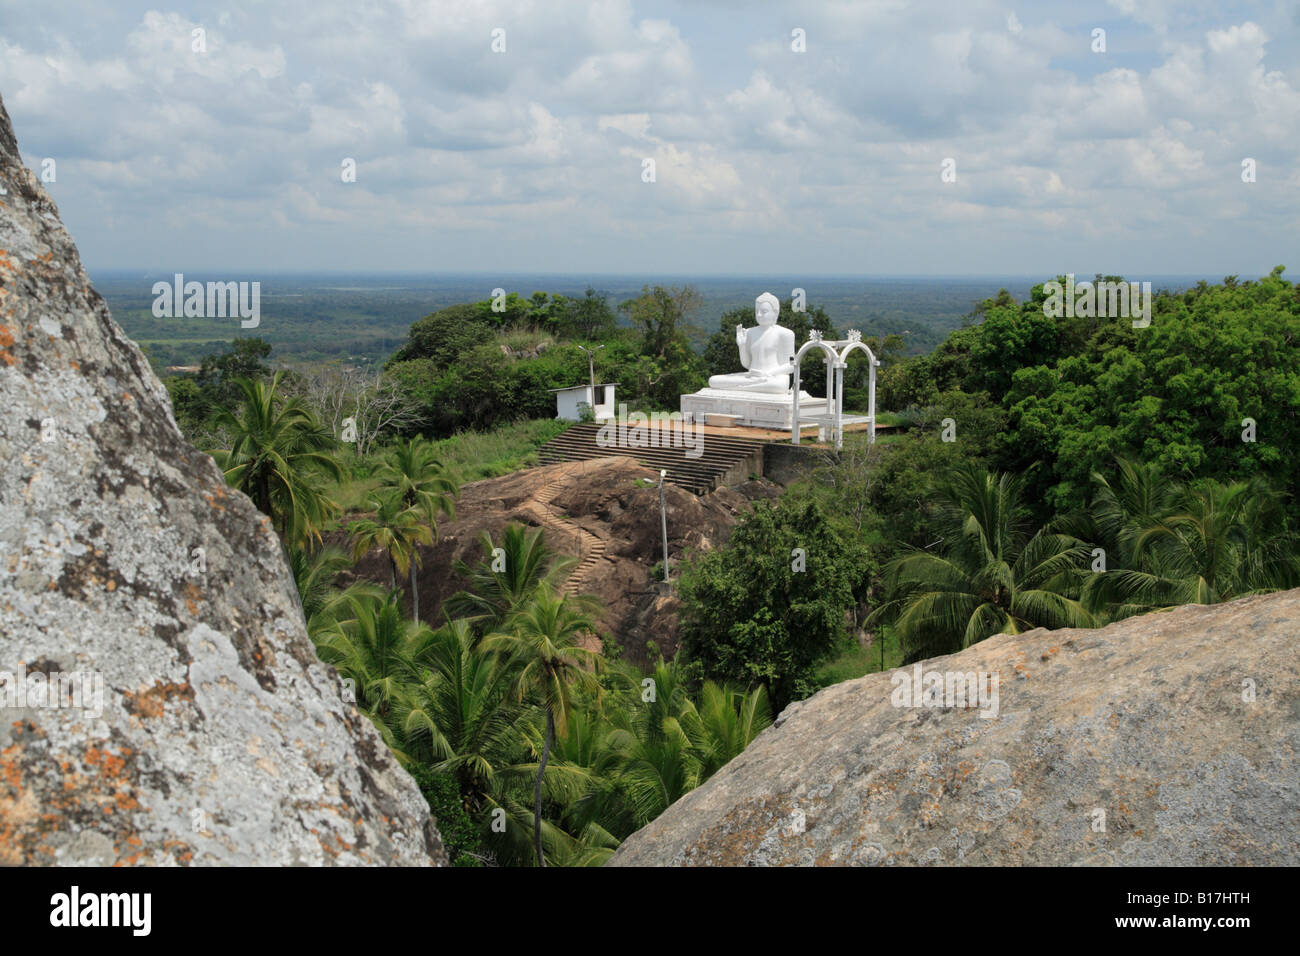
(766, 350)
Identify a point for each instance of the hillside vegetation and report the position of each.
(1046, 473)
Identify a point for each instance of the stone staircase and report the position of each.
(724, 460)
(591, 549)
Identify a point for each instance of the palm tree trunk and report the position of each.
(415, 595)
(262, 499)
(537, 786)
(392, 574)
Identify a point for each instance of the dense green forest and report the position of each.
(1046, 472)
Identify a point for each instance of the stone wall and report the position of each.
(785, 463)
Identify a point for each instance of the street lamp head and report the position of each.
(663, 473)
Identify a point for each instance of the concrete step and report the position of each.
(719, 456)
(709, 439)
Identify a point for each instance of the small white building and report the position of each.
(569, 401)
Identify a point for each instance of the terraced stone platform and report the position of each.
(723, 460)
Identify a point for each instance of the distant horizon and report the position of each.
(318, 314)
(769, 276)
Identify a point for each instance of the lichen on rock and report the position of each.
(217, 736)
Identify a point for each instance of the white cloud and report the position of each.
(765, 157)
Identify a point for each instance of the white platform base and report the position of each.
(755, 409)
(826, 423)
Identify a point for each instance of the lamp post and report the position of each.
(663, 520)
(591, 370)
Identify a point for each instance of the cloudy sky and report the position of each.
(766, 159)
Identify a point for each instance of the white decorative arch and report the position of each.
(836, 362)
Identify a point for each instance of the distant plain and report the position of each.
(362, 319)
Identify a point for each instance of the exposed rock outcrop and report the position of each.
(1168, 739)
(613, 501)
(219, 737)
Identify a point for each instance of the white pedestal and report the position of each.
(755, 409)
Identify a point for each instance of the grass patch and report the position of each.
(354, 496)
(855, 661)
(469, 456)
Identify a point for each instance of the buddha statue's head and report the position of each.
(766, 309)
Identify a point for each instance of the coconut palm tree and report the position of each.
(726, 721)
(1202, 543)
(460, 716)
(416, 479)
(413, 474)
(277, 450)
(996, 576)
(399, 531)
(323, 604)
(375, 646)
(464, 717)
(541, 641)
(1139, 497)
(313, 574)
(507, 576)
(658, 760)
(651, 744)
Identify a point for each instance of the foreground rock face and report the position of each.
(1138, 743)
(216, 737)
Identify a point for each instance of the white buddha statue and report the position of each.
(766, 350)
